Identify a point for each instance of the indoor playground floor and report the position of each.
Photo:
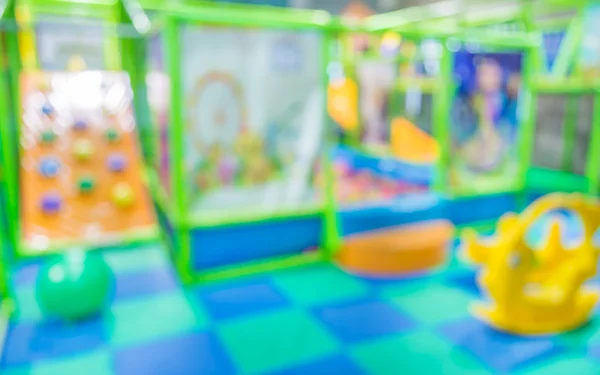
(311, 320)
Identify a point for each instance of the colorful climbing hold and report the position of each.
(86, 184)
(112, 135)
(122, 195)
(51, 203)
(116, 163)
(83, 149)
(47, 109)
(49, 167)
(48, 136)
(80, 125)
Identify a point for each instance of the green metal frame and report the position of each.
(236, 16)
(432, 22)
(448, 19)
(438, 21)
(565, 79)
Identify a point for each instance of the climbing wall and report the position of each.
(80, 160)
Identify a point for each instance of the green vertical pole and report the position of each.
(570, 131)
(111, 41)
(442, 108)
(12, 138)
(526, 132)
(5, 217)
(176, 144)
(331, 238)
(593, 162)
(569, 47)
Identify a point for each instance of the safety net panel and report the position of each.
(548, 148)
(254, 118)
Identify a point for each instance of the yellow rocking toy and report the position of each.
(537, 291)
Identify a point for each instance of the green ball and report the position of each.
(74, 286)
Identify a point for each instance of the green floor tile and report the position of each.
(17, 371)
(27, 308)
(431, 303)
(420, 353)
(586, 335)
(310, 286)
(568, 365)
(148, 257)
(95, 363)
(153, 318)
(452, 266)
(276, 340)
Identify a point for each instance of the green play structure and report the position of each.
(243, 155)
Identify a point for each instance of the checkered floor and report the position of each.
(312, 320)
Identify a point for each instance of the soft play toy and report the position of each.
(75, 286)
(538, 291)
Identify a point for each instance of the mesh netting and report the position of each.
(582, 137)
(548, 147)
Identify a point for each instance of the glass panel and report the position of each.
(484, 122)
(254, 118)
(159, 100)
(59, 40)
(548, 149)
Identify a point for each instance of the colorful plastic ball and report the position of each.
(75, 286)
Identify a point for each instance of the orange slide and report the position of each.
(411, 144)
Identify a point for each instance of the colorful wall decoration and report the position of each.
(484, 122)
(254, 126)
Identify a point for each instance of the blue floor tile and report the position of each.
(357, 321)
(328, 366)
(146, 282)
(466, 281)
(241, 298)
(26, 343)
(26, 275)
(501, 351)
(594, 352)
(195, 354)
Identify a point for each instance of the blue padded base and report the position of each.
(235, 244)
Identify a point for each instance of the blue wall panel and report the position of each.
(405, 210)
(236, 244)
(471, 210)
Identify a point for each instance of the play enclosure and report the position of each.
(266, 136)
(242, 136)
(306, 124)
